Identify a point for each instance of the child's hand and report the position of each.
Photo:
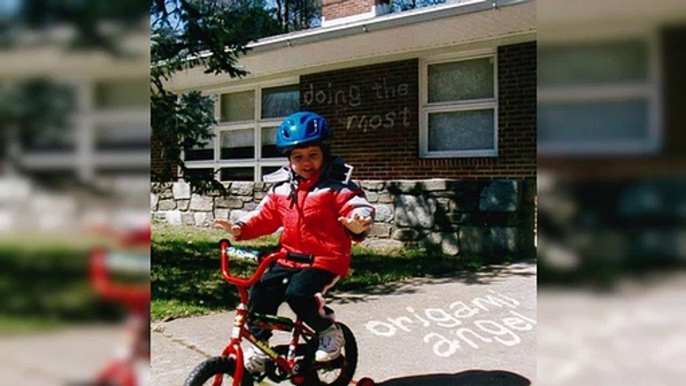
(235, 230)
(356, 224)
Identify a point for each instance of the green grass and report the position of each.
(46, 284)
(186, 278)
(12, 324)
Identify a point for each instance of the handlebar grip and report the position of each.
(300, 258)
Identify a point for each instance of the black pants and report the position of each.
(298, 288)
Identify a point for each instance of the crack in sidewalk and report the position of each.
(160, 330)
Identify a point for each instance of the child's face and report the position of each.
(306, 161)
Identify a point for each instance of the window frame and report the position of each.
(257, 124)
(648, 90)
(83, 157)
(426, 108)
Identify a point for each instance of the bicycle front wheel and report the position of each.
(338, 372)
(205, 373)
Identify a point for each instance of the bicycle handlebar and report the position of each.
(264, 262)
(300, 258)
(99, 275)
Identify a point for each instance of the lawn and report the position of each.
(44, 284)
(186, 278)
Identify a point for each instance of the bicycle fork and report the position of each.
(293, 347)
(234, 346)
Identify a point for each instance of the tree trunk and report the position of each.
(13, 151)
(286, 18)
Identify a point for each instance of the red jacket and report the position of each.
(310, 222)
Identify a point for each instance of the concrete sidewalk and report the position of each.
(55, 358)
(475, 329)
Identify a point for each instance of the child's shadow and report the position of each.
(465, 378)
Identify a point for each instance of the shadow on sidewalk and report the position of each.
(465, 378)
(487, 275)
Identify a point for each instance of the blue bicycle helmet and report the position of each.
(300, 129)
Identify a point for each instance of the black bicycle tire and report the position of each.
(213, 366)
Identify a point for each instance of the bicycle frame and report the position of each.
(240, 330)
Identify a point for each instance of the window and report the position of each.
(244, 146)
(459, 108)
(107, 130)
(237, 144)
(201, 153)
(597, 98)
(205, 173)
(280, 101)
(238, 106)
(61, 140)
(58, 136)
(122, 136)
(122, 94)
(237, 174)
(116, 115)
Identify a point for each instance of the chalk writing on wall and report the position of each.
(352, 96)
(460, 324)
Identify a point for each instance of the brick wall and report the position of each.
(157, 162)
(375, 117)
(373, 111)
(516, 111)
(674, 90)
(336, 9)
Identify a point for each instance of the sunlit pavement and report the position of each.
(57, 357)
(634, 335)
(453, 331)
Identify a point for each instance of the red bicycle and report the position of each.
(122, 371)
(294, 361)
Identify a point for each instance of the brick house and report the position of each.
(435, 108)
(611, 138)
(52, 183)
(108, 143)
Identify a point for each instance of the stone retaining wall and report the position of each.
(494, 217)
(599, 228)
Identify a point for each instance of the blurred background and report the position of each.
(611, 192)
(74, 175)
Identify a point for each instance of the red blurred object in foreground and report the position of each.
(131, 259)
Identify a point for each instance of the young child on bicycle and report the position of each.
(321, 213)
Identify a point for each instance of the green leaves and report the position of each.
(186, 34)
(33, 112)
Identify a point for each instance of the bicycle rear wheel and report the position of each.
(204, 374)
(341, 370)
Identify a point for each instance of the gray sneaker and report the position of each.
(254, 360)
(331, 342)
